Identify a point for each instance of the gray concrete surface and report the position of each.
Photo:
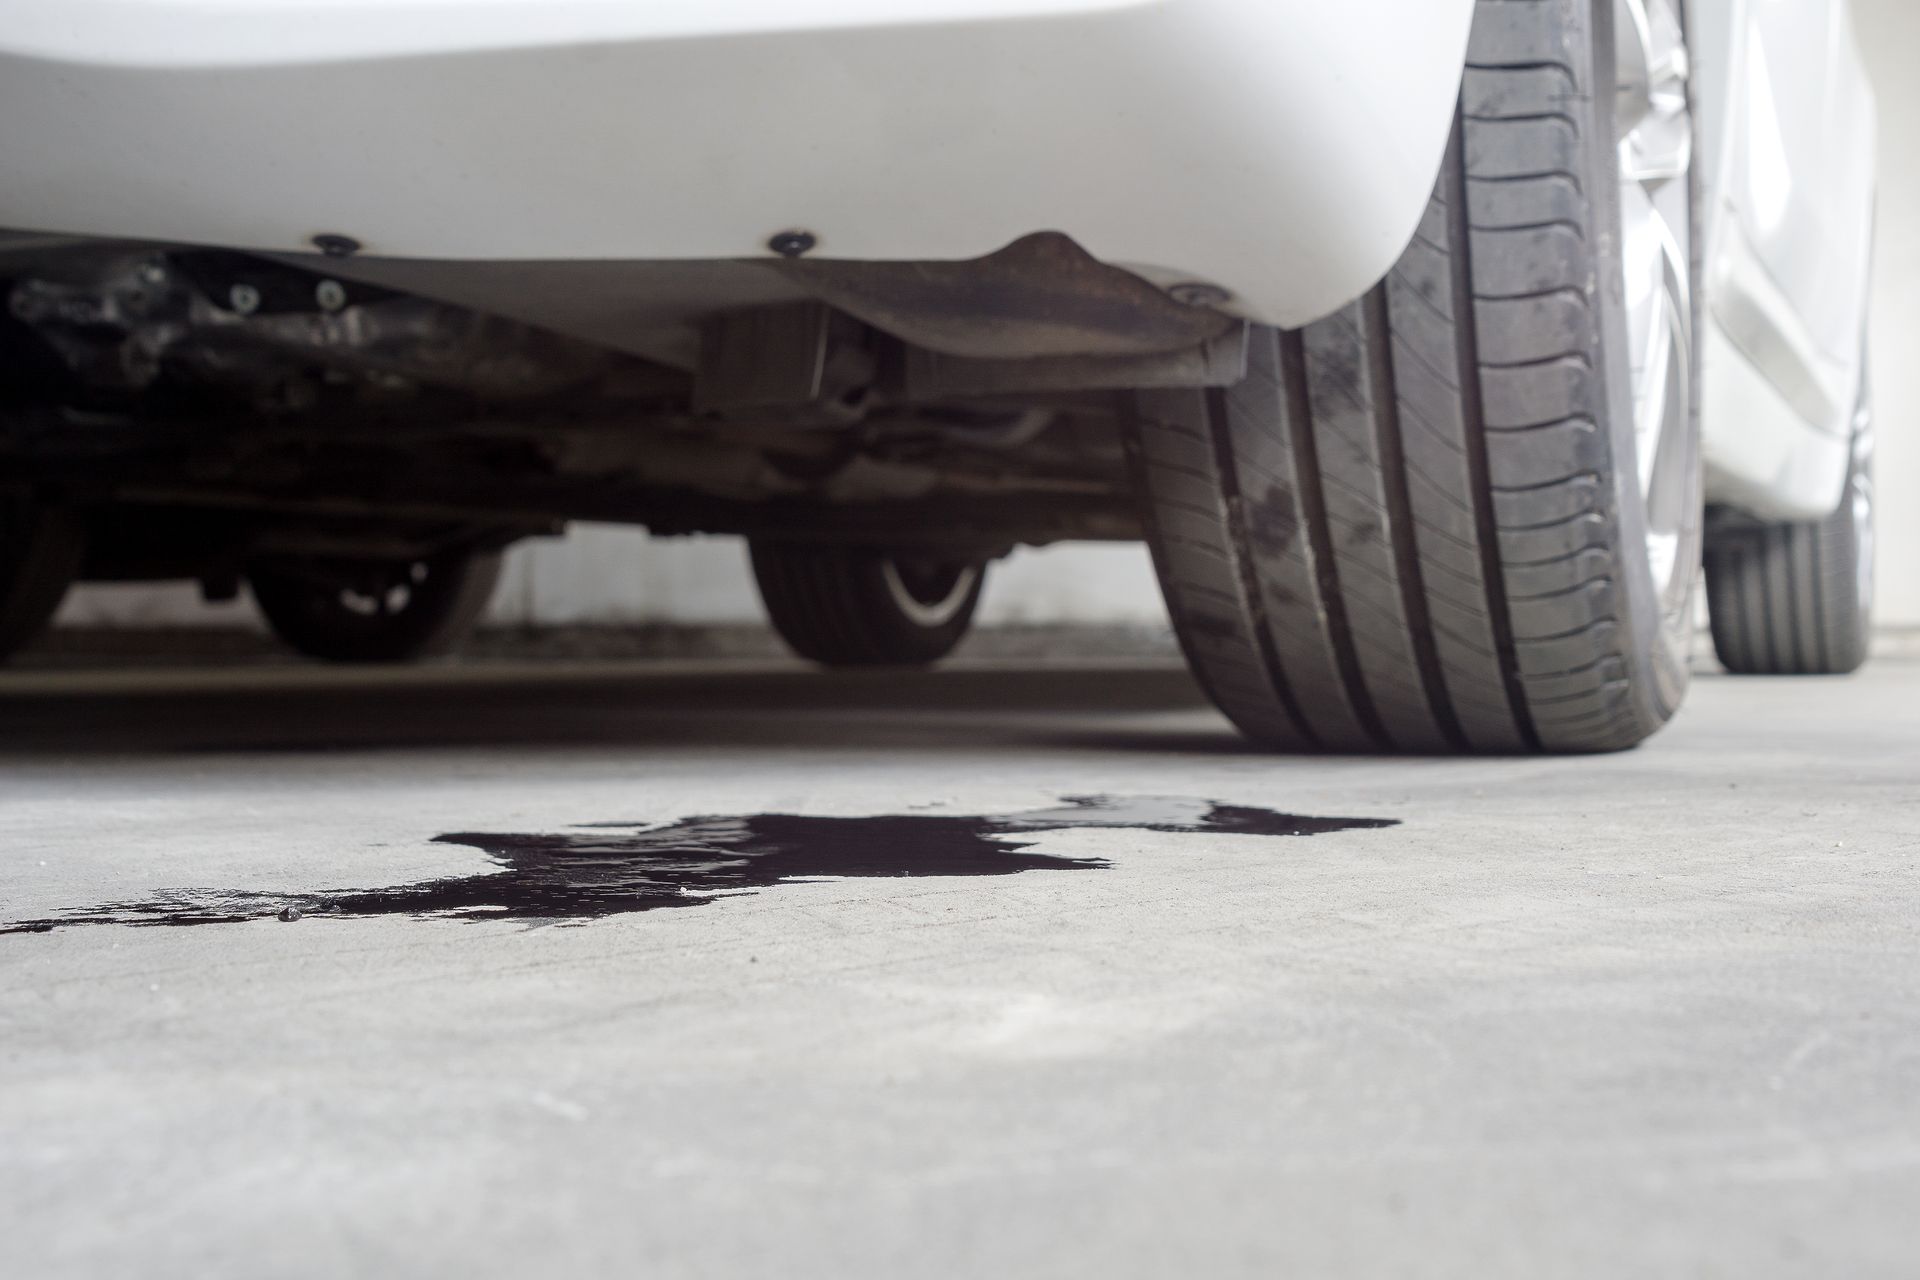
(1654, 1014)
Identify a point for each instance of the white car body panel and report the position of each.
(1281, 150)
(1788, 155)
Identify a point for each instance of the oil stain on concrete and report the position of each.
(612, 868)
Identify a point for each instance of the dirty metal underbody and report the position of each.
(965, 405)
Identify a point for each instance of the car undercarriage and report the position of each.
(207, 410)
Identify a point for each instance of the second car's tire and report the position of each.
(1797, 599)
(1443, 519)
(41, 548)
(375, 611)
(847, 607)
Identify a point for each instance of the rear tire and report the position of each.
(375, 611)
(1422, 523)
(41, 549)
(1797, 599)
(845, 607)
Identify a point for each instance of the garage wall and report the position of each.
(1890, 37)
(602, 574)
(609, 575)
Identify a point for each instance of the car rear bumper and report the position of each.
(1281, 150)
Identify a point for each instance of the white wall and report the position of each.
(605, 573)
(609, 575)
(612, 575)
(1890, 36)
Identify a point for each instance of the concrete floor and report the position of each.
(1653, 1014)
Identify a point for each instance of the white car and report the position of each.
(1429, 392)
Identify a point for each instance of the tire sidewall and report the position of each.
(41, 552)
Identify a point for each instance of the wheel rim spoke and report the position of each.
(1655, 139)
(927, 607)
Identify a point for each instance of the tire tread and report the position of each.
(1416, 546)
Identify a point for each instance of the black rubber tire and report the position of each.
(1417, 525)
(41, 548)
(1797, 599)
(838, 607)
(306, 604)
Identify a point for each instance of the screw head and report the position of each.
(243, 299)
(330, 294)
(793, 244)
(335, 245)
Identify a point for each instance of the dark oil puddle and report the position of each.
(610, 868)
